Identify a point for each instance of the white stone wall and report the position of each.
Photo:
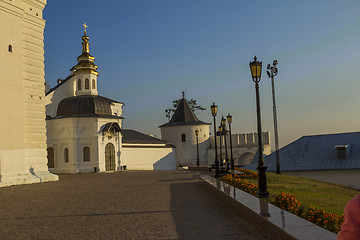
(77, 133)
(148, 157)
(348, 178)
(186, 152)
(244, 139)
(52, 100)
(22, 135)
(68, 133)
(244, 146)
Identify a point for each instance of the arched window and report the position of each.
(79, 84)
(183, 137)
(10, 48)
(86, 154)
(66, 155)
(51, 157)
(87, 84)
(93, 84)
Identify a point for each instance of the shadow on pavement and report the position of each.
(199, 215)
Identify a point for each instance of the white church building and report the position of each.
(84, 129)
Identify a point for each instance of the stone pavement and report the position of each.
(119, 205)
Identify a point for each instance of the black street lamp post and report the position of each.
(197, 147)
(213, 112)
(273, 72)
(220, 136)
(255, 68)
(223, 123)
(229, 119)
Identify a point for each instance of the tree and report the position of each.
(192, 103)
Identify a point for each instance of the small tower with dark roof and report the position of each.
(180, 132)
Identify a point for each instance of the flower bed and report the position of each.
(248, 174)
(288, 202)
(237, 181)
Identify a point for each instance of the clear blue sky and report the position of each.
(148, 51)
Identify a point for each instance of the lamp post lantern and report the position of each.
(197, 147)
(272, 73)
(213, 112)
(229, 119)
(255, 68)
(220, 136)
(223, 123)
(168, 114)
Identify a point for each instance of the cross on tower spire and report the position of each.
(85, 26)
(85, 38)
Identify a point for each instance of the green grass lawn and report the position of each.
(326, 196)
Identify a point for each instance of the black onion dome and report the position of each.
(85, 106)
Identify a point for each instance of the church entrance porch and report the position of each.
(109, 157)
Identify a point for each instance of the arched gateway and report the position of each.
(109, 157)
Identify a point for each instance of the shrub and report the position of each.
(241, 184)
(329, 221)
(287, 202)
(248, 174)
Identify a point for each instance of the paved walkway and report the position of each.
(120, 205)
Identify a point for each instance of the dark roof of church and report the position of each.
(183, 116)
(316, 152)
(132, 136)
(86, 106)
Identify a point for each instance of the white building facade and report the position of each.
(83, 128)
(22, 132)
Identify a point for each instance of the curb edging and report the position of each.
(271, 221)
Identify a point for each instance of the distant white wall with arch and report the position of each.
(244, 147)
(244, 159)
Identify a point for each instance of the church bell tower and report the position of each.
(85, 70)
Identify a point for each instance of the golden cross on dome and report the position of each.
(85, 26)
